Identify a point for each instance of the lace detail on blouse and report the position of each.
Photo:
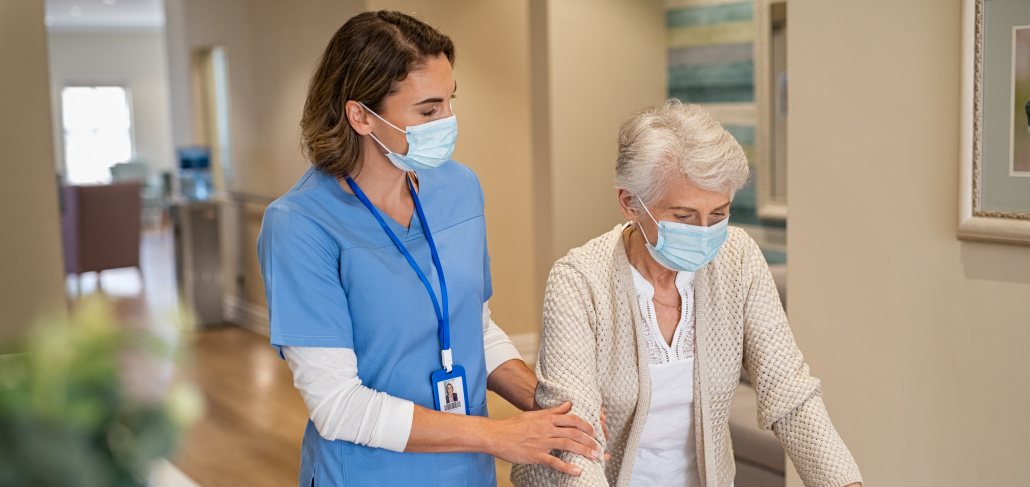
(659, 352)
(656, 354)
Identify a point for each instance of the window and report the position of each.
(97, 132)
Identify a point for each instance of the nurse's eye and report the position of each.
(430, 113)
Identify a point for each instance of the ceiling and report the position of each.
(104, 15)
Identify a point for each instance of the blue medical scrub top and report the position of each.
(333, 278)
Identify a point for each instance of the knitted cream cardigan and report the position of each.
(593, 353)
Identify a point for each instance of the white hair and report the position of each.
(672, 140)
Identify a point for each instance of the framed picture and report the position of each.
(770, 58)
(995, 126)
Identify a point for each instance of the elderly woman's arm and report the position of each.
(567, 369)
(789, 399)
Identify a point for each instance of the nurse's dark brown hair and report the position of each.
(363, 61)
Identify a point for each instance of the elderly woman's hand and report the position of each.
(528, 438)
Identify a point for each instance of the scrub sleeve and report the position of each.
(333, 278)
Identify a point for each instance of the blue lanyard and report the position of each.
(442, 318)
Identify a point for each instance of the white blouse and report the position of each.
(667, 454)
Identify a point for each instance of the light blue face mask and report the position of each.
(682, 247)
(430, 145)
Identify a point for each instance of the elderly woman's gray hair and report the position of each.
(677, 140)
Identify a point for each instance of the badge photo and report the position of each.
(449, 391)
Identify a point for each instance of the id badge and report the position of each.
(450, 392)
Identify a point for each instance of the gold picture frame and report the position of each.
(976, 223)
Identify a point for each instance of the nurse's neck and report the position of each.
(385, 185)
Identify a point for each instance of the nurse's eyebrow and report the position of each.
(429, 100)
(437, 100)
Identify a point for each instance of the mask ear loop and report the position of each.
(652, 219)
(387, 149)
(381, 118)
(381, 144)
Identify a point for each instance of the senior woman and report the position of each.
(654, 320)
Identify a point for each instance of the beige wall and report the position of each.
(135, 60)
(492, 43)
(606, 61)
(31, 266)
(920, 339)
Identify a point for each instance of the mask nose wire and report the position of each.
(652, 219)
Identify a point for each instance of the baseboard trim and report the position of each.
(253, 317)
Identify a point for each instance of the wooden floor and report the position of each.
(251, 434)
(255, 419)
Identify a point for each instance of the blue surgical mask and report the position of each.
(682, 247)
(430, 145)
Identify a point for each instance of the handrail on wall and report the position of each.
(240, 196)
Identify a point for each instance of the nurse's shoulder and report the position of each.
(299, 213)
(463, 189)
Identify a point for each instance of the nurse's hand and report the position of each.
(528, 438)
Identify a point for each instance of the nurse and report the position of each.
(377, 278)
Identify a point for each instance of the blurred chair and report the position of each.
(155, 204)
(101, 227)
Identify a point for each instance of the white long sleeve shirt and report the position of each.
(343, 409)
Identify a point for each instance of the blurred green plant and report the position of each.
(89, 400)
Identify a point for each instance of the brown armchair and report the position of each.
(101, 226)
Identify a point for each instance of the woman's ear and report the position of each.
(358, 118)
(626, 204)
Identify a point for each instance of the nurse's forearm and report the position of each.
(526, 438)
(438, 432)
(514, 382)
